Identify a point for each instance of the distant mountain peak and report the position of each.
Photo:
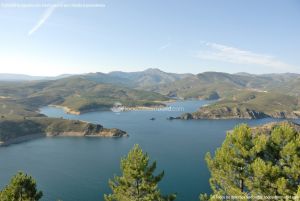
(243, 73)
(154, 70)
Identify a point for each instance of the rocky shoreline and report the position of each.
(236, 113)
(68, 110)
(121, 109)
(14, 131)
(225, 113)
(108, 133)
(267, 128)
(103, 132)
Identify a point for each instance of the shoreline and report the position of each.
(166, 101)
(102, 134)
(68, 110)
(21, 139)
(287, 117)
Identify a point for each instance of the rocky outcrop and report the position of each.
(187, 116)
(112, 133)
(212, 96)
(91, 130)
(285, 114)
(226, 112)
(18, 130)
(267, 128)
(105, 132)
(172, 118)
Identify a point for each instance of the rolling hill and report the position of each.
(214, 85)
(77, 93)
(146, 79)
(150, 77)
(100, 91)
(250, 105)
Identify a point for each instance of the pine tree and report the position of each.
(256, 165)
(21, 188)
(137, 182)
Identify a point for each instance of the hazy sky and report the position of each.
(193, 36)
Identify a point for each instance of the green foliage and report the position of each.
(9, 108)
(244, 103)
(11, 128)
(226, 85)
(77, 92)
(256, 164)
(137, 182)
(21, 188)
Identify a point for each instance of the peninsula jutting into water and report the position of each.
(149, 101)
(78, 106)
(236, 96)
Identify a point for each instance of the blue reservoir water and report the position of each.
(78, 168)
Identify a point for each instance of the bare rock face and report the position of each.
(186, 116)
(92, 129)
(89, 130)
(225, 113)
(256, 114)
(240, 112)
(285, 114)
(212, 96)
(267, 128)
(112, 133)
(236, 112)
(98, 130)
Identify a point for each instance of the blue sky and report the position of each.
(189, 36)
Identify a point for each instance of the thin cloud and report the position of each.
(219, 52)
(47, 13)
(161, 48)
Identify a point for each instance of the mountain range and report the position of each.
(267, 93)
(240, 95)
(203, 85)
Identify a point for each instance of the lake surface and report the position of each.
(78, 168)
